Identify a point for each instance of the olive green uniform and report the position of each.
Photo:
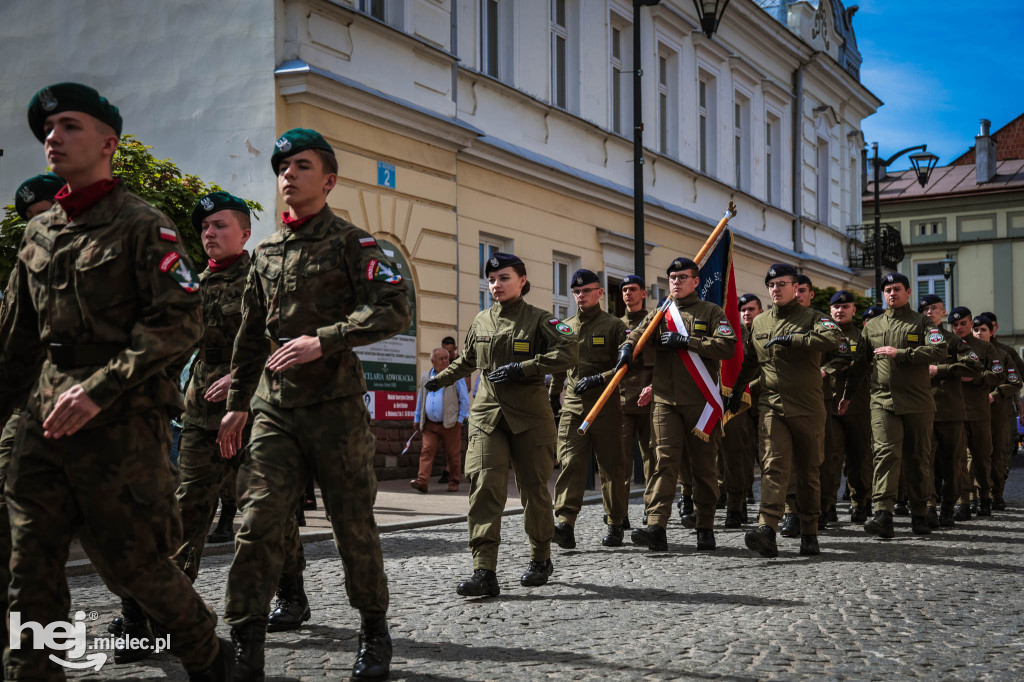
(108, 301)
(950, 445)
(791, 407)
(636, 420)
(739, 449)
(598, 337)
(852, 430)
(678, 405)
(510, 424)
(834, 367)
(1003, 397)
(331, 280)
(978, 421)
(902, 407)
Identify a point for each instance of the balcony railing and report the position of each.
(861, 249)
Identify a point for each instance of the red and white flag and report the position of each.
(695, 366)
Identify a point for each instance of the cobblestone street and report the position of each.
(946, 606)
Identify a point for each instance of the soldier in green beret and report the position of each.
(36, 194)
(97, 352)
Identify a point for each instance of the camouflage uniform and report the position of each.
(107, 301)
(329, 279)
(6, 446)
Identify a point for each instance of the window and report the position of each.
(562, 303)
(496, 42)
(706, 139)
(559, 43)
(927, 229)
(617, 70)
(620, 50)
(667, 118)
(930, 280)
(773, 155)
(388, 11)
(488, 247)
(741, 141)
(823, 182)
(659, 290)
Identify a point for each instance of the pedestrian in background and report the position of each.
(439, 416)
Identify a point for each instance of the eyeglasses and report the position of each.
(779, 285)
(583, 292)
(680, 278)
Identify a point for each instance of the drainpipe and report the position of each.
(455, 98)
(798, 114)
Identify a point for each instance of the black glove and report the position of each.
(513, 371)
(734, 401)
(786, 340)
(673, 340)
(625, 358)
(432, 385)
(589, 383)
(556, 403)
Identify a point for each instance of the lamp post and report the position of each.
(923, 162)
(948, 263)
(638, 144)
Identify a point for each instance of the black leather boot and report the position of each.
(135, 641)
(223, 667)
(858, 514)
(248, 640)
(790, 526)
(687, 516)
(733, 519)
(946, 516)
(901, 509)
(483, 583)
(809, 545)
(762, 541)
(932, 517)
(374, 659)
(706, 539)
(537, 573)
(225, 530)
(565, 536)
(881, 525)
(962, 512)
(985, 508)
(919, 525)
(614, 537)
(292, 608)
(651, 537)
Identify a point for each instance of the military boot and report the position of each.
(745, 518)
(537, 573)
(790, 526)
(901, 509)
(483, 583)
(248, 640)
(705, 539)
(687, 516)
(962, 512)
(932, 517)
(223, 667)
(292, 605)
(833, 514)
(722, 499)
(809, 545)
(985, 508)
(225, 530)
(881, 525)
(919, 525)
(946, 516)
(858, 514)
(651, 537)
(762, 541)
(374, 659)
(733, 519)
(999, 504)
(974, 507)
(135, 641)
(625, 523)
(614, 537)
(565, 536)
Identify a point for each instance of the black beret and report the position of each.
(297, 140)
(780, 270)
(873, 311)
(632, 279)
(747, 298)
(54, 99)
(214, 202)
(982, 319)
(38, 188)
(959, 313)
(991, 316)
(803, 279)
(583, 277)
(448, 341)
(681, 263)
(842, 296)
(927, 300)
(895, 278)
(499, 260)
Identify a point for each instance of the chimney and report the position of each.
(985, 154)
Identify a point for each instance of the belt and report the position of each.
(215, 356)
(82, 354)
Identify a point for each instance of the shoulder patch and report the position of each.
(844, 346)
(378, 272)
(725, 329)
(168, 234)
(561, 327)
(934, 337)
(828, 324)
(168, 261)
(974, 356)
(1011, 375)
(175, 266)
(367, 242)
(997, 367)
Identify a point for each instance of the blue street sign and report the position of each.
(386, 174)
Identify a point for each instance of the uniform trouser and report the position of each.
(794, 448)
(333, 442)
(435, 433)
(676, 444)
(604, 439)
(489, 457)
(204, 475)
(830, 473)
(950, 461)
(737, 453)
(112, 484)
(979, 457)
(636, 427)
(854, 432)
(1002, 413)
(6, 446)
(899, 437)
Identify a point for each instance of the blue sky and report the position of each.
(939, 66)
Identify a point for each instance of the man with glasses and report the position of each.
(598, 335)
(692, 340)
(635, 388)
(785, 346)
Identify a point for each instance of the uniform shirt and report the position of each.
(328, 279)
(1009, 386)
(505, 333)
(834, 365)
(711, 337)
(222, 316)
(116, 277)
(598, 337)
(640, 373)
(902, 384)
(1012, 360)
(947, 387)
(791, 384)
(850, 338)
(976, 404)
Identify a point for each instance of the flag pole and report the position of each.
(613, 384)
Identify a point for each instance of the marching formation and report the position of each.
(104, 310)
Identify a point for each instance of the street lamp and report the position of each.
(923, 162)
(710, 13)
(638, 144)
(948, 263)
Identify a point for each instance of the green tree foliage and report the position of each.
(823, 296)
(158, 181)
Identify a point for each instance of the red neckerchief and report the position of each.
(222, 265)
(294, 224)
(81, 200)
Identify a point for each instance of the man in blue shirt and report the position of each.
(439, 414)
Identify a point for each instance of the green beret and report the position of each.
(54, 99)
(215, 202)
(39, 188)
(297, 140)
